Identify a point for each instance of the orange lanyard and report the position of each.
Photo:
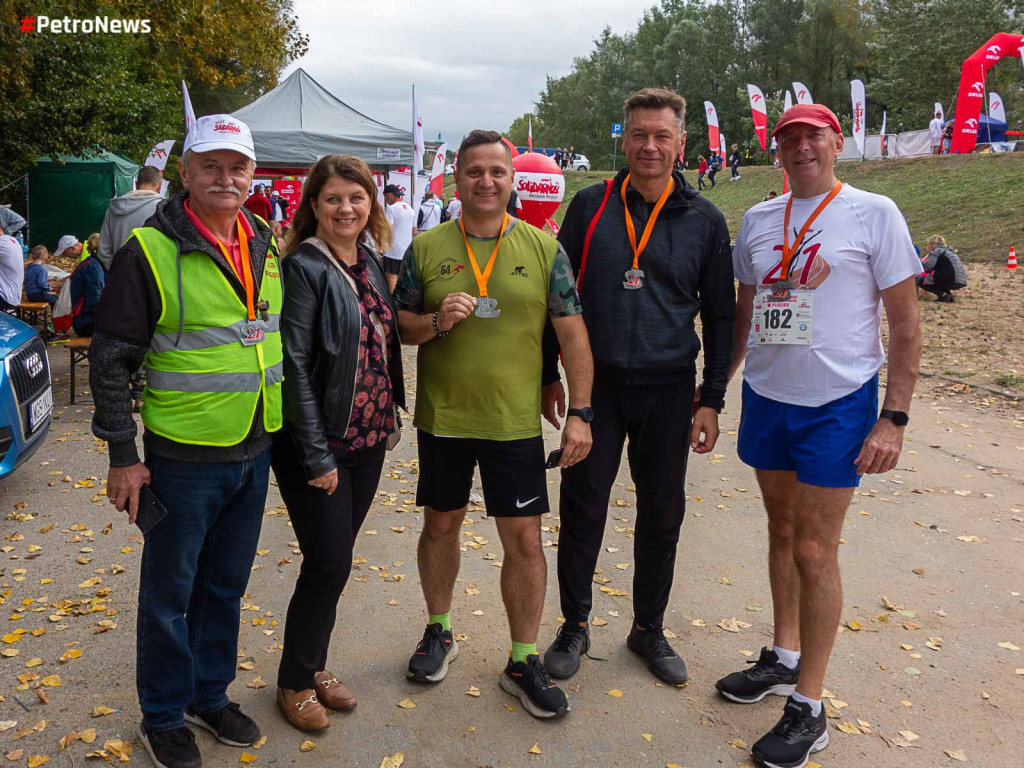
(246, 277)
(481, 279)
(787, 252)
(649, 228)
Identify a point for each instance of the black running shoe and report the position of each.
(793, 739)
(229, 724)
(664, 663)
(529, 681)
(437, 649)
(767, 676)
(175, 748)
(562, 658)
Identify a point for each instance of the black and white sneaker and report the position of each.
(794, 738)
(229, 724)
(562, 658)
(437, 649)
(529, 682)
(767, 676)
(663, 662)
(175, 748)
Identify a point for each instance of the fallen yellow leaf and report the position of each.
(248, 757)
(647, 736)
(1009, 646)
(615, 693)
(71, 653)
(738, 743)
(407, 703)
(956, 754)
(36, 760)
(101, 711)
(33, 662)
(88, 735)
(307, 746)
(393, 761)
(534, 750)
(51, 681)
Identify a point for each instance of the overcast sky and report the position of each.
(475, 64)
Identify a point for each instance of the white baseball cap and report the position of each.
(220, 132)
(68, 241)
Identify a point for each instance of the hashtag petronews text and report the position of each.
(95, 25)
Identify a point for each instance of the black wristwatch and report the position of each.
(587, 414)
(899, 418)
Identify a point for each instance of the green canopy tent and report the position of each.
(69, 195)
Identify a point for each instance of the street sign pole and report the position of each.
(616, 133)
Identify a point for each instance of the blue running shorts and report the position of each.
(818, 443)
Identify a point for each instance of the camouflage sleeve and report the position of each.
(562, 297)
(408, 290)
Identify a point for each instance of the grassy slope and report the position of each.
(975, 201)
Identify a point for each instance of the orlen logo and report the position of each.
(755, 98)
(977, 90)
(229, 127)
(995, 104)
(541, 187)
(800, 94)
(994, 52)
(858, 118)
(711, 110)
(970, 126)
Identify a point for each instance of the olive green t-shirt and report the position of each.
(483, 380)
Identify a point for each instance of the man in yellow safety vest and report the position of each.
(195, 297)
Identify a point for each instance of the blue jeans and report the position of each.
(195, 567)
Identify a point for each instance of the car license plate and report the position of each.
(40, 409)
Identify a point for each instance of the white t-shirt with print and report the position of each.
(858, 246)
(935, 127)
(402, 221)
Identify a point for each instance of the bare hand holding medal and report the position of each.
(486, 307)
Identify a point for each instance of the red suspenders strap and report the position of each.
(590, 231)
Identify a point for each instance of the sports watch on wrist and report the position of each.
(899, 418)
(586, 414)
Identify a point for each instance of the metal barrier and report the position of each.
(910, 144)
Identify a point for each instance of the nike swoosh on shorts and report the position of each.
(520, 505)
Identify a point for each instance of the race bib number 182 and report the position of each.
(786, 321)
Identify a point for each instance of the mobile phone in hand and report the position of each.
(151, 511)
(553, 458)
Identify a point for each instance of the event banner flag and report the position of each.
(970, 97)
(803, 93)
(157, 156)
(996, 108)
(417, 135)
(186, 106)
(859, 109)
(437, 172)
(712, 115)
(721, 146)
(529, 132)
(885, 139)
(760, 113)
(789, 101)
(941, 112)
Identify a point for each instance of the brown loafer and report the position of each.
(302, 709)
(332, 692)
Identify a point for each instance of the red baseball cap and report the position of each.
(817, 115)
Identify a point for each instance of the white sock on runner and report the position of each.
(815, 703)
(787, 657)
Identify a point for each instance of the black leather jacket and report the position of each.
(320, 326)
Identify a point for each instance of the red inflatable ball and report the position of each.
(540, 186)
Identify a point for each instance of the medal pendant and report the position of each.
(253, 333)
(634, 279)
(486, 307)
(780, 290)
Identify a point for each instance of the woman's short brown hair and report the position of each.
(346, 167)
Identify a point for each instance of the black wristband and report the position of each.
(438, 333)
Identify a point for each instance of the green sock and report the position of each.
(444, 619)
(521, 650)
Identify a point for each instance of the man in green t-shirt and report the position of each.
(474, 294)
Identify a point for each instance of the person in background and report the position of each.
(37, 283)
(12, 272)
(557, 157)
(714, 166)
(702, 170)
(770, 196)
(403, 229)
(734, 163)
(935, 130)
(429, 215)
(943, 271)
(129, 211)
(774, 152)
(10, 222)
(87, 283)
(947, 137)
(260, 204)
(454, 207)
(69, 246)
(92, 246)
(282, 204)
(276, 215)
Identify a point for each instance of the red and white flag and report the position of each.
(996, 108)
(857, 99)
(712, 115)
(721, 146)
(417, 135)
(803, 93)
(760, 113)
(437, 172)
(157, 156)
(529, 132)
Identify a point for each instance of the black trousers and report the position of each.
(657, 420)
(326, 527)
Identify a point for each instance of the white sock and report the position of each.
(787, 657)
(815, 703)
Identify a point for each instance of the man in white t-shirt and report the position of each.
(935, 129)
(430, 212)
(403, 225)
(454, 207)
(815, 268)
(12, 272)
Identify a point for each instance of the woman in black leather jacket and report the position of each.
(342, 387)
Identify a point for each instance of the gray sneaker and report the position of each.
(562, 658)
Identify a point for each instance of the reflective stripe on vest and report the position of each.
(203, 385)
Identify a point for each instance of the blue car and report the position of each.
(26, 396)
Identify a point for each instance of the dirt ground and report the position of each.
(927, 669)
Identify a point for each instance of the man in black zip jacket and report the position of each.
(657, 255)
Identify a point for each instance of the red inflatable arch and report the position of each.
(971, 95)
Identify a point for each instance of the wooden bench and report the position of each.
(78, 348)
(34, 312)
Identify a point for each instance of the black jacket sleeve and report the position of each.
(717, 296)
(570, 236)
(124, 322)
(299, 324)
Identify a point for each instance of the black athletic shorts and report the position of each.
(512, 471)
(392, 266)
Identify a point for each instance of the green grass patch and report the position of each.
(960, 374)
(1008, 380)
